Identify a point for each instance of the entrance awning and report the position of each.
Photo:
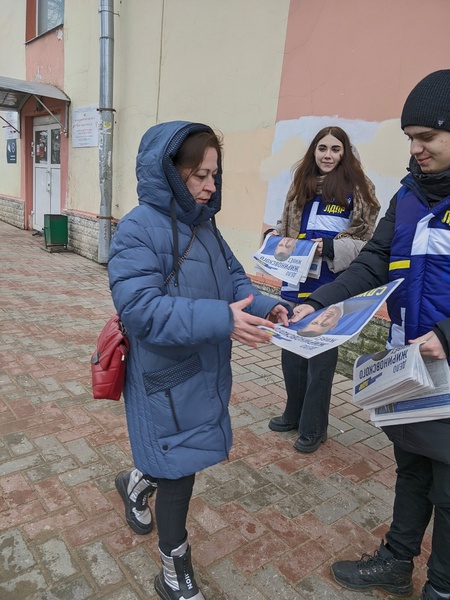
(15, 92)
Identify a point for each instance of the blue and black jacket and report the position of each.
(412, 240)
(177, 316)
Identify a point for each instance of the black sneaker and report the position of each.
(429, 593)
(137, 513)
(280, 424)
(381, 570)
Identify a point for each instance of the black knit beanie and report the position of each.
(428, 104)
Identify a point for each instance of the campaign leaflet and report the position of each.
(334, 325)
(414, 410)
(390, 376)
(401, 386)
(288, 259)
(425, 405)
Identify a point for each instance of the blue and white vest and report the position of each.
(319, 219)
(420, 253)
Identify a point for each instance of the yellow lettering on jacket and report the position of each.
(376, 292)
(446, 218)
(333, 208)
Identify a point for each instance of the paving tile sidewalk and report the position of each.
(266, 525)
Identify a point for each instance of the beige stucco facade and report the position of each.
(266, 73)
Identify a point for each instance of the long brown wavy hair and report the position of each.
(338, 184)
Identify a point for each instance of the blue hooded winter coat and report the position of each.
(178, 377)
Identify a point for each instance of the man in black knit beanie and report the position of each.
(412, 241)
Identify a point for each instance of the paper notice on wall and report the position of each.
(85, 123)
(10, 123)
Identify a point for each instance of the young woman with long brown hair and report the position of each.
(332, 202)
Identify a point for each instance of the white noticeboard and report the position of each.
(85, 122)
(11, 133)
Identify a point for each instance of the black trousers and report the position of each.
(308, 385)
(171, 509)
(422, 485)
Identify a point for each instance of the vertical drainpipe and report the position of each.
(106, 127)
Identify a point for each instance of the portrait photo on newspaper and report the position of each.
(333, 325)
(288, 259)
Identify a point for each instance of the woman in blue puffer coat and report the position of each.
(181, 294)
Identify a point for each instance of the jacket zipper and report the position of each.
(219, 298)
(172, 408)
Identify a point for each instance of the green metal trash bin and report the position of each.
(56, 230)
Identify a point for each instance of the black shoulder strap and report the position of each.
(180, 260)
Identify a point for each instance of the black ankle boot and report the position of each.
(176, 580)
(281, 424)
(308, 444)
(380, 570)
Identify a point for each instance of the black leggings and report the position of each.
(171, 509)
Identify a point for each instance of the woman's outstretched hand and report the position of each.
(246, 328)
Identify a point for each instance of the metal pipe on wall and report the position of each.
(106, 126)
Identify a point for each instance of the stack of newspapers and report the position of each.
(399, 386)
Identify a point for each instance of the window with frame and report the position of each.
(43, 16)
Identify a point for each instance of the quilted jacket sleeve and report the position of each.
(139, 295)
(155, 317)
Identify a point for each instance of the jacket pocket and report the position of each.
(180, 398)
(172, 376)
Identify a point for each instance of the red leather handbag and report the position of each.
(109, 360)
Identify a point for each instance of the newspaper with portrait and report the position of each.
(332, 326)
(400, 386)
(288, 259)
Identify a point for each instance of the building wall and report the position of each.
(352, 64)
(229, 78)
(81, 84)
(12, 53)
(266, 73)
(138, 39)
(12, 48)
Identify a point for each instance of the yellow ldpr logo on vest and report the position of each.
(333, 208)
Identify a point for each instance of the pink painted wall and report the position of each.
(44, 63)
(359, 59)
(45, 59)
